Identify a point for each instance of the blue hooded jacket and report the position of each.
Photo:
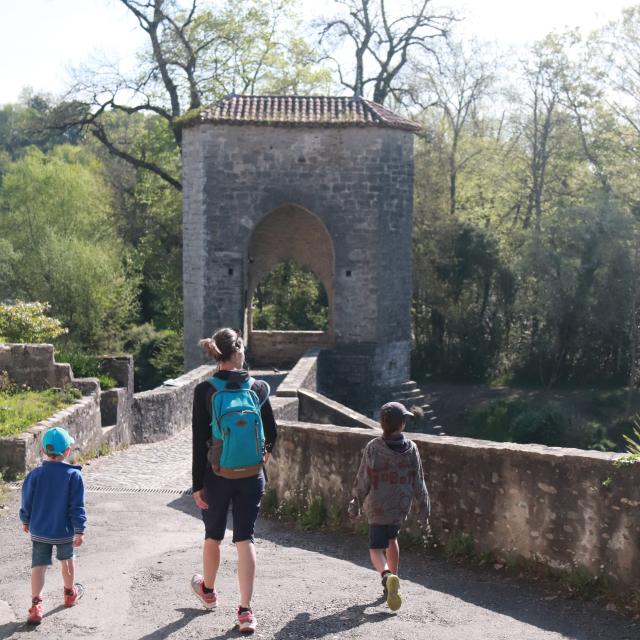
(53, 502)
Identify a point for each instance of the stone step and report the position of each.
(414, 401)
(406, 394)
(410, 385)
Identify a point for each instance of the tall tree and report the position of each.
(455, 86)
(382, 39)
(193, 57)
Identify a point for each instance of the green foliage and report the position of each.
(84, 365)
(28, 322)
(269, 503)
(21, 409)
(315, 515)
(157, 355)
(55, 217)
(309, 514)
(633, 441)
(633, 446)
(545, 423)
(459, 546)
(461, 302)
(290, 297)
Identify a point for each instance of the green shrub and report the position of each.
(157, 355)
(28, 322)
(459, 546)
(85, 365)
(542, 423)
(269, 503)
(493, 421)
(315, 515)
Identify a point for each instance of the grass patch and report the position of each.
(20, 410)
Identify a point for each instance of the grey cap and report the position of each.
(394, 412)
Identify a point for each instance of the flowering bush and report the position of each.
(28, 322)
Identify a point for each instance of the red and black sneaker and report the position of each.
(71, 596)
(246, 620)
(208, 598)
(36, 612)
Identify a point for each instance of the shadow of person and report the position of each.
(303, 626)
(188, 614)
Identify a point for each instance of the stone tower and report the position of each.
(324, 181)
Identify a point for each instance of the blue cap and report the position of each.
(56, 441)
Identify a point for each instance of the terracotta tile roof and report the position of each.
(327, 111)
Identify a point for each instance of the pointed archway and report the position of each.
(289, 233)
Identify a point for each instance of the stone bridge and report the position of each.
(144, 542)
(516, 501)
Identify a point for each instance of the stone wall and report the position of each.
(283, 348)
(314, 407)
(34, 365)
(165, 410)
(304, 375)
(100, 418)
(20, 453)
(116, 404)
(537, 502)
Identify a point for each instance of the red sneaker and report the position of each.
(209, 600)
(71, 599)
(246, 621)
(36, 612)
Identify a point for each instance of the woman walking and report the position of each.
(214, 491)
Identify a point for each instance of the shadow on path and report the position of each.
(303, 626)
(188, 614)
(524, 601)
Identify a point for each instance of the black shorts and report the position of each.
(243, 495)
(381, 534)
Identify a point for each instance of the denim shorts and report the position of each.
(381, 534)
(42, 551)
(243, 494)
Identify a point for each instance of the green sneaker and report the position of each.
(394, 601)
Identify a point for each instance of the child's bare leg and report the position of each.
(378, 560)
(37, 580)
(67, 567)
(210, 561)
(393, 555)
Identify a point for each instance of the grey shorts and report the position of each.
(381, 534)
(42, 552)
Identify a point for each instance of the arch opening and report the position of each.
(290, 289)
(290, 298)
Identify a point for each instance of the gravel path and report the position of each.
(142, 547)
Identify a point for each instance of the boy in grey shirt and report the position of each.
(389, 478)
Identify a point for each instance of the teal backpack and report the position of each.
(236, 423)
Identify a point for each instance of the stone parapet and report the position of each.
(284, 348)
(19, 454)
(314, 407)
(34, 365)
(565, 507)
(162, 412)
(304, 375)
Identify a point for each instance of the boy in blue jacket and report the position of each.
(53, 513)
